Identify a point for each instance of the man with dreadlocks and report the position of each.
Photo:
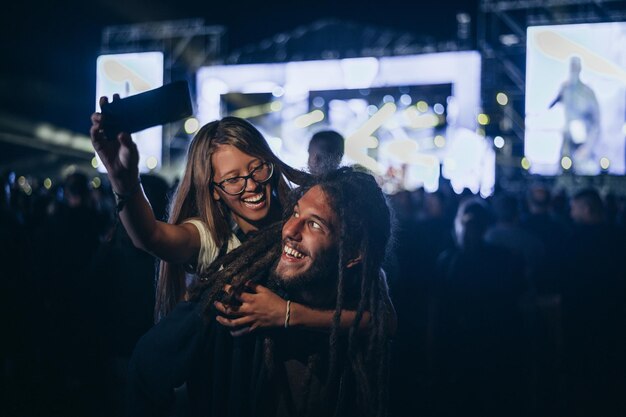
(333, 245)
(329, 255)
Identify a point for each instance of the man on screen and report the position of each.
(582, 118)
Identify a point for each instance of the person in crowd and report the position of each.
(475, 324)
(329, 256)
(325, 151)
(508, 233)
(593, 287)
(124, 309)
(552, 232)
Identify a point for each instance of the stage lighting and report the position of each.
(151, 162)
(566, 162)
(605, 163)
(498, 142)
(191, 125)
(278, 91)
(502, 99)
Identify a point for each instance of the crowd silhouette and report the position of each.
(509, 305)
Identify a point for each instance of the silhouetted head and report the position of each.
(471, 222)
(586, 207)
(538, 199)
(76, 189)
(325, 151)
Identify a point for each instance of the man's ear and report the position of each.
(354, 261)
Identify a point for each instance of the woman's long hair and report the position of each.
(194, 195)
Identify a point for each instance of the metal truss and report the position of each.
(186, 44)
(334, 39)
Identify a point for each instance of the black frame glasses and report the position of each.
(245, 178)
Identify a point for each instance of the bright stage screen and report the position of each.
(407, 118)
(576, 98)
(127, 75)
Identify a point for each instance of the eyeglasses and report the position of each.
(237, 185)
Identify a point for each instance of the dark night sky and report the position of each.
(49, 49)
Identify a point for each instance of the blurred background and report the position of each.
(497, 129)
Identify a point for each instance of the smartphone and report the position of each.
(162, 105)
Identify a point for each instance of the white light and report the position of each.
(605, 163)
(439, 141)
(308, 119)
(94, 162)
(388, 99)
(278, 91)
(212, 89)
(421, 121)
(438, 108)
(498, 142)
(47, 183)
(371, 109)
(44, 131)
(359, 72)
(406, 99)
(318, 101)
(191, 125)
(275, 143)
(566, 162)
(152, 162)
(509, 39)
(502, 99)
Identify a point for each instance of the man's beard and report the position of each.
(316, 286)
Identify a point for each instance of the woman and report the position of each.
(233, 185)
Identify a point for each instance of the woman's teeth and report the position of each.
(254, 198)
(256, 201)
(292, 252)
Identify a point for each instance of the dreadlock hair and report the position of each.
(365, 231)
(252, 261)
(193, 197)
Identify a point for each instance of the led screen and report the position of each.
(126, 75)
(402, 117)
(575, 98)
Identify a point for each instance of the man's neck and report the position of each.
(321, 298)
